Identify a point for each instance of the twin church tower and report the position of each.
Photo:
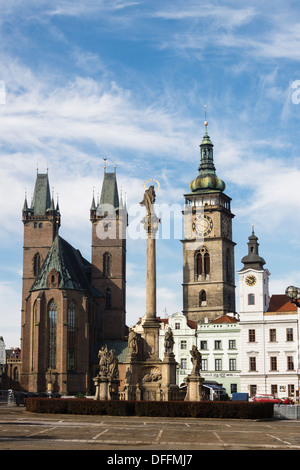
(71, 306)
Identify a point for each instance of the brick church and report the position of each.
(70, 306)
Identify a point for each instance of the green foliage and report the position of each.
(178, 409)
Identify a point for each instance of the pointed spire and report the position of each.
(93, 205)
(25, 206)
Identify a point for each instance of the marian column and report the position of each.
(151, 324)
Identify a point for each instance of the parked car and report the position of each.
(287, 401)
(266, 398)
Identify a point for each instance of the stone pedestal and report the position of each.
(106, 389)
(194, 388)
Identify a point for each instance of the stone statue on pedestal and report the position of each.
(107, 381)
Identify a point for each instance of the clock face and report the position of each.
(250, 280)
(202, 225)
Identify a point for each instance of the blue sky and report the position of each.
(128, 81)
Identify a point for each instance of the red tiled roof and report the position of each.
(281, 303)
(225, 319)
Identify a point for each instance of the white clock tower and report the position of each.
(253, 283)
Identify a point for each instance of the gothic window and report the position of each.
(107, 264)
(36, 264)
(16, 374)
(199, 264)
(202, 298)
(108, 298)
(52, 333)
(71, 336)
(202, 262)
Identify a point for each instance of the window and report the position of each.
(107, 264)
(218, 344)
(232, 344)
(16, 374)
(218, 364)
(251, 299)
(291, 390)
(52, 331)
(252, 363)
(203, 344)
(253, 389)
(290, 363)
(273, 363)
(272, 335)
(71, 337)
(36, 264)
(274, 389)
(233, 388)
(202, 262)
(203, 364)
(183, 363)
(183, 344)
(202, 298)
(251, 336)
(41, 225)
(289, 334)
(232, 364)
(177, 326)
(108, 298)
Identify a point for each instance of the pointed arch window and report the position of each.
(52, 334)
(36, 264)
(202, 262)
(202, 298)
(71, 336)
(107, 264)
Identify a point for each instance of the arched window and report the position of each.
(206, 263)
(52, 333)
(202, 298)
(202, 262)
(107, 264)
(36, 264)
(108, 298)
(199, 264)
(16, 374)
(71, 336)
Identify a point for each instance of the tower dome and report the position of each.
(207, 178)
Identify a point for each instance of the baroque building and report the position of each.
(269, 332)
(70, 305)
(208, 249)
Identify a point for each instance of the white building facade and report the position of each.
(219, 344)
(269, 332)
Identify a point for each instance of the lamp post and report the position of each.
(294, 294)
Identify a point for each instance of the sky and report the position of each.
(129, 81)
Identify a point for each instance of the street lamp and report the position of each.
(294, 294)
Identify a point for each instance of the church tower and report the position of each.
(253, 282)
(41, 224)
(208, 249)
(108, 275)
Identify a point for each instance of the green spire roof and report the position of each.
(109, 193)
(41, 198)
(207, 178)
(73, 270)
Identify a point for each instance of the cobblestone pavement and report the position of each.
(21, 430)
